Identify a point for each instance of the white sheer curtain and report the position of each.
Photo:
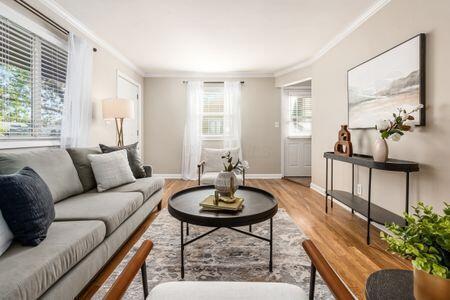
(77, 110)
(232, 119)
(192, 140)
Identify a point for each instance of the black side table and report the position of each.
(390, 285)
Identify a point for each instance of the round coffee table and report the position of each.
(259, 206)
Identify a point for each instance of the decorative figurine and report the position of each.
(343, 146)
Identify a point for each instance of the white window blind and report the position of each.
(32, 82)
(212, 117)
(300, 115)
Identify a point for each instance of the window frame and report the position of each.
(213, 137)
(12, 15)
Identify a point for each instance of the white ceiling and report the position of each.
(217, 36)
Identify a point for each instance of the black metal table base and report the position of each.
(184, 244)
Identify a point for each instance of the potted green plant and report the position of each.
(393, 129)
(426, 241)
(226, 182)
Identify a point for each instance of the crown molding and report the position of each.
(210, 75)
(63, 13)
(337, 39)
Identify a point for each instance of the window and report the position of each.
(212, 111)
(300, 115)
(32, 82)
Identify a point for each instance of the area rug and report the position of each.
(224, 255)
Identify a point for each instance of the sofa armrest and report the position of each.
(148, 171)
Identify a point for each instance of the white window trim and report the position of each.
(14, 16)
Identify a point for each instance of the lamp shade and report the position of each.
(118, 108)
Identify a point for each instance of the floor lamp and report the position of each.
(118, 109)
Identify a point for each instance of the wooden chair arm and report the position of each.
(201, 164)
(125, 278)
(201, 169)
(333, 281)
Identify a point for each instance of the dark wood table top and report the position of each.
(259, 206)
(390, 285)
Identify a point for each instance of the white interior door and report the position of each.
(297, 157)
(130, 90)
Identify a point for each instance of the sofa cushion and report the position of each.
(27, 272)
(54, 166)
(213, 158)
(111, 208)
(204, 290)
(208, 178)
(147, 186)
(27, 206)
(83, 166)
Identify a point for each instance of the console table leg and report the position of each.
(182, 252)
(332, 182)
(368, 206)
(353, 183)
(326, 185)
(270, 259)
(407, 193)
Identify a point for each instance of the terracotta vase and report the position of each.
(428, 286)
(226, 183)
(380, 150)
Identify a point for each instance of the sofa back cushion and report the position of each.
(54, 166)
(83, 165)
(213, 158)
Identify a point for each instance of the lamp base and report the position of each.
(119, 132)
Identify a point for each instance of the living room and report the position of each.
(202, 149)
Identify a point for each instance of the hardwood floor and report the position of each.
(339, 235)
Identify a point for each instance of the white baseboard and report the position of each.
(168, 176)
(263, 176)
(247, 176)
(317, 188)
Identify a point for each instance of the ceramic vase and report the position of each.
(428, 286)
(380, 150)
(226, 183)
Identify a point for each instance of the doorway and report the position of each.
(297, 132)
(127, 88)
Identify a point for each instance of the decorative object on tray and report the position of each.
(226, 182)
(426, 241)
(222, 203)
(392, 79)
(344, 145)
(393, 129)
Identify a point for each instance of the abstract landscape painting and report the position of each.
(386, 82)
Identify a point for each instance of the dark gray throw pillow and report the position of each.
(27, 206)
(134, 159)
(83, 165)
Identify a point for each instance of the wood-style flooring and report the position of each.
(339, 235)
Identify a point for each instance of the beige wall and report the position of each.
(294, 77)
(398, 21)
(164, 112)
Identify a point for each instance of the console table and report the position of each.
(371, 211)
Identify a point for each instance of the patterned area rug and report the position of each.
(224, 255)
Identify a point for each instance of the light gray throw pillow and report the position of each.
(111, 169)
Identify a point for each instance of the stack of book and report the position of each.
(224, 203)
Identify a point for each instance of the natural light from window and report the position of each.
(212, 111)
(300, 116)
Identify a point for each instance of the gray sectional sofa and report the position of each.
(88, 230)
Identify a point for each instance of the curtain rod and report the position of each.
(185, 81)
(44, 18)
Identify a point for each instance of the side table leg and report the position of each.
(182, 252)
(271, 242)
(326, 185)
(332, 189)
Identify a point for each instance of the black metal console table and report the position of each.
(371, 211)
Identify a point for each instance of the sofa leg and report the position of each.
(160, 205)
